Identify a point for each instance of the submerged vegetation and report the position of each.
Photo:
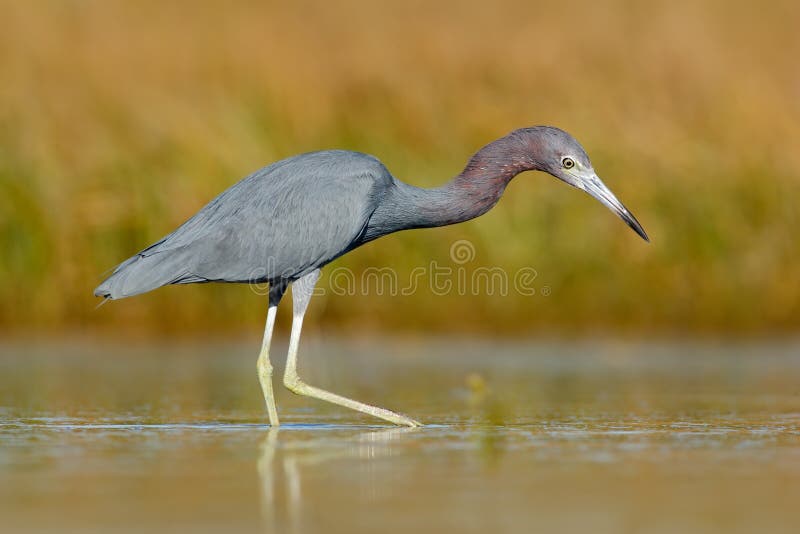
(118, 120)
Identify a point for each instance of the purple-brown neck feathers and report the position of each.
(470, 194)
(500, 160)
(489, 171)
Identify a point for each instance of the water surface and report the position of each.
(520, 437)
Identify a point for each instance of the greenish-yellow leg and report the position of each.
(302, 290)
(263, 365)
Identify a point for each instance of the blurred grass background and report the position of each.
(118, 120)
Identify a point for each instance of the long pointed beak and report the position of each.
(595, 187)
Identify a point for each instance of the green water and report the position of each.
(520, 437)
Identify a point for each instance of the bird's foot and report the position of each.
(396, 418)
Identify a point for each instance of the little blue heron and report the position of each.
(283, 223)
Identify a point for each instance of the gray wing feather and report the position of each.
(281, 222)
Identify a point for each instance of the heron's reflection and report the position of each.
(285, 454)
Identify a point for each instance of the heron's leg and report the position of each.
(302, 290)
(263, 365)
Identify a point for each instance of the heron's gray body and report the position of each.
(295, 216)
(281, 222)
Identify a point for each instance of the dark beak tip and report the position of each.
(636, 227)
(633, 223)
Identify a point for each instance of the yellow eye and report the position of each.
(567, 163)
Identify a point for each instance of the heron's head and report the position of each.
(556, 152)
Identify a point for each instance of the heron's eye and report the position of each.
(567, 163)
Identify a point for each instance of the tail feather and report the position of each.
(143, 273)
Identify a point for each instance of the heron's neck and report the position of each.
(470, 194)
(476, 190)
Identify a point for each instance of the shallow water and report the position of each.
(520, 437)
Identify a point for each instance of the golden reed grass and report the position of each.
(119, 119)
